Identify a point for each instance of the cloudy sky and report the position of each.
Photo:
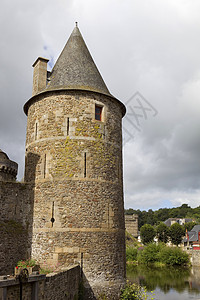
(148, 52)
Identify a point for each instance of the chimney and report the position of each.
(39, 75)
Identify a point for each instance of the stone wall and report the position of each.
(75, 163)
(131, 224)
(8, 168)
(194, 257)
(15, 224)
(64, 285)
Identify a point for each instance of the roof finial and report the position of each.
(76, 24)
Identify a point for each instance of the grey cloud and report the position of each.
(147, 46)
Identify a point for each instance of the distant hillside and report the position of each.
(162, 214)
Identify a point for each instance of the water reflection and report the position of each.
(179, 281)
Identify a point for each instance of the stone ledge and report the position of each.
(15, 281)
(56, 229)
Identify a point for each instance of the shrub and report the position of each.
(174, 256)
(135, 292)
(150, 254)
(131, 254)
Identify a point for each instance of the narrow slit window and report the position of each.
(104, 132)
(85, 162)
(36, 130)
(98, 112)
(52, 214)
(45, 162)
(67, 126)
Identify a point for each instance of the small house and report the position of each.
(192, 238)
(180, 221)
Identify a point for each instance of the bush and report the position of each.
(174, 256)
(158, 254)
(131, 254)
(134, 292)
(150, 254)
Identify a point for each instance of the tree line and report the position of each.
(155, 217)
(163, 233)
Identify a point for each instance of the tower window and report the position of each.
(85, 164)
(98, 112)
(45, 165)
(36, 130)
(67, 126)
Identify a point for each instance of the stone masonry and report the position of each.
(131, 224)
(54, 286)
(72, 199)
(8, 168)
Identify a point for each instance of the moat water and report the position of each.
(167, 283)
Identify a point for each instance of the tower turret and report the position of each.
(74, 161)
(8, 168)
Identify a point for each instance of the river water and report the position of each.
(167, 283)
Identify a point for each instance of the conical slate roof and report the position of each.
(75, 68)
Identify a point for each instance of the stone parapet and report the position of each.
(54, 286)
(8, 168)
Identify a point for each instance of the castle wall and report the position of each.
(75, 163)
(8, 168)
(63, 285)
(131, 224)
(15, 224)
(194, 257)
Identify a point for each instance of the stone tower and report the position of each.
(8, 168)
(74, 162)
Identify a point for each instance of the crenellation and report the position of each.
(8, 168)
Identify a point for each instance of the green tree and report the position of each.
(162, 232)
(189, 226)
(147, 233)
(130, 211)
(162, 214)
(184, 210)
(176, 233)
(174, 212)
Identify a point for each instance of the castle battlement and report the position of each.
(8, 168)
